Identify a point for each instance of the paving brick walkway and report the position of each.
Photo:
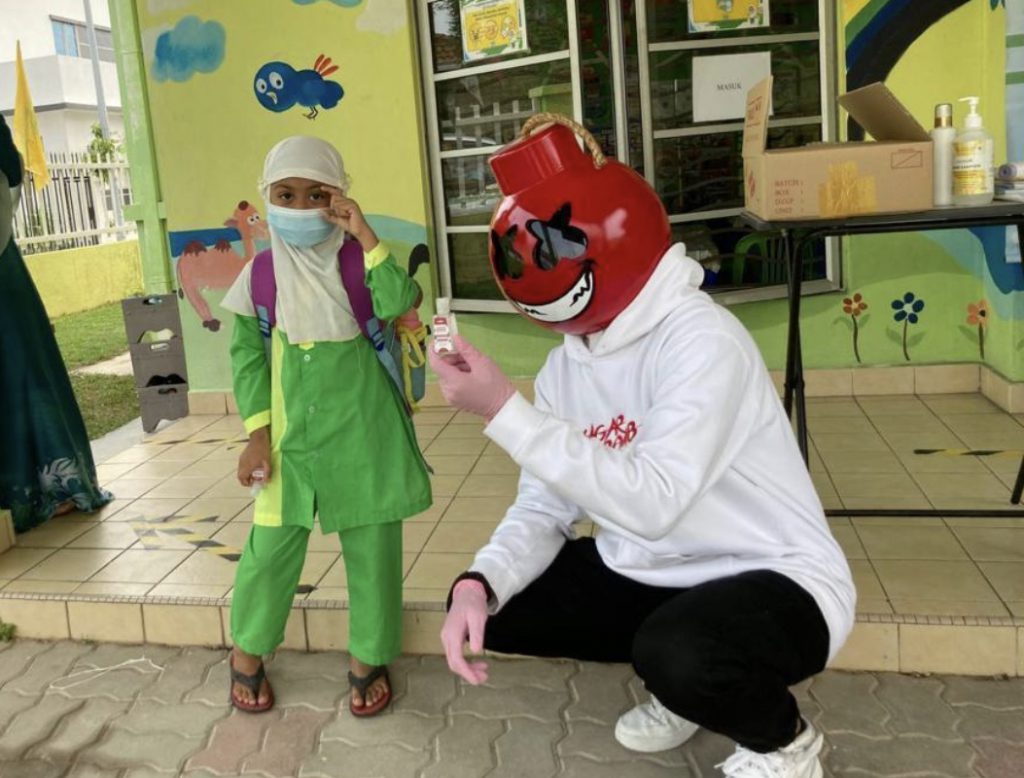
(78, 710)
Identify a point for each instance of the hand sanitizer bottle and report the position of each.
(973, 180)
(942, 154)
(444, 327)
(259, 479)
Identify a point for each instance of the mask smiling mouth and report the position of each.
(569, 305)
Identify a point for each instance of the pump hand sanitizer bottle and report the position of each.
(444, 328)
(973, 180)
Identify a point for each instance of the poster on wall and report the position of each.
(492, 28)
(721, 83)
(727, 15)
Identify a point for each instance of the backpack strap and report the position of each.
(353, 278)
(263, 287)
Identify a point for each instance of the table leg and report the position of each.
(793, 388)
(796, 271)
(792, 331)
(1018, 487)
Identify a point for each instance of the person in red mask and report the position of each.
(713, 570)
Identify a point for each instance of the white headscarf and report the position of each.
(312, 304)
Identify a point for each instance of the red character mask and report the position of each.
(577, 235)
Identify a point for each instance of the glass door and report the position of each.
(697, 166)
(624, 68)
(473, 109)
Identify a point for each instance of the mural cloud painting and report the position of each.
(193, 46)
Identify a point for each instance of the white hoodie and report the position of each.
(668, 434)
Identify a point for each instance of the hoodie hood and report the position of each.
(674, 279)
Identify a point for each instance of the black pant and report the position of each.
(722, 655)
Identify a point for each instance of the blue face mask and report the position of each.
(302, 228)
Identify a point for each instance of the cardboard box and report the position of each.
(893, 174)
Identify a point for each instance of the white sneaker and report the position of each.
(797, 760)
(651, 727)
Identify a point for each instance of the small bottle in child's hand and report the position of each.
(444, 328)
(259, 478)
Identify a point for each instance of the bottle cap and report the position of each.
(443, 306)
(944, 115)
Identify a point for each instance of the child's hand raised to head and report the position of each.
(346, 213)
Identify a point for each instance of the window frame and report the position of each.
(827, 78)
(65, 26)
(430, 79)
(828, 67)
(81, 37)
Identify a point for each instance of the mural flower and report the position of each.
(193, 46)
(854, 307)
(906, 310)
(977, 316)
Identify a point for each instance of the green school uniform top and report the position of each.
(342, 444)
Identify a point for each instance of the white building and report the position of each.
(56, 50)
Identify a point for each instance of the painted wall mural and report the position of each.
(907, 312)
(223, 91)
(878, 36)
(209, 261)
(374, 125)
(854, 308)
(279, 86)
(977, 321)
(963, 274)
(192, 46)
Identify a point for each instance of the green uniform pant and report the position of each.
(269, 571)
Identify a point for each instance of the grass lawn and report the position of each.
(91, 336)
(106, 401)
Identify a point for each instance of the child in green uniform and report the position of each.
(328, 430)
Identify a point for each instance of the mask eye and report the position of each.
(261, 86)
(557, 239)
(507, 261)
(276, 81)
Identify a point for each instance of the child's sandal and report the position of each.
(253, 683)
(362, 684)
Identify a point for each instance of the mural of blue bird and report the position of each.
(279, 86)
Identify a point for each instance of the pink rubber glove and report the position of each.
(470, 381)
(466, 619)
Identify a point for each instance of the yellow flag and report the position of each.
(27, 139)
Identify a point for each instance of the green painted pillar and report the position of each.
(147, 208)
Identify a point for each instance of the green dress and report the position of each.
(342, 445)
(45, 457)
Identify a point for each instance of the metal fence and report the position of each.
(82, 205)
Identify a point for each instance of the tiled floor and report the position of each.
(176, 491)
